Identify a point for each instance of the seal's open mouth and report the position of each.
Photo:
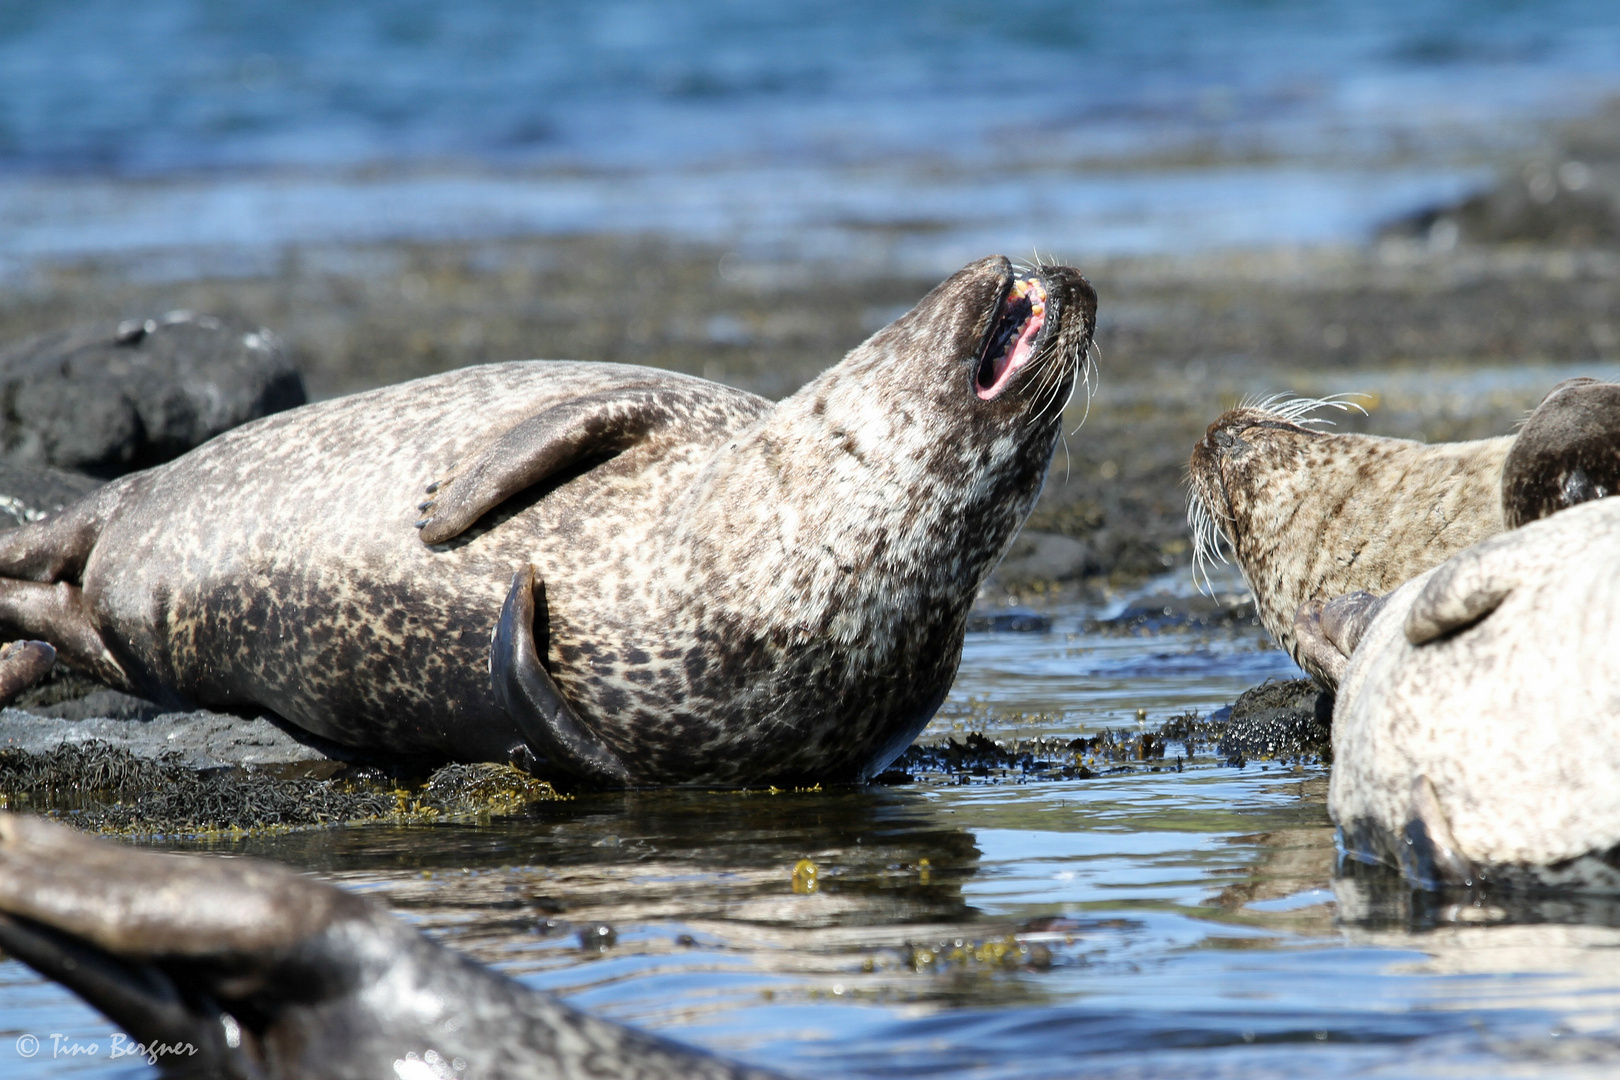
(1012, 340)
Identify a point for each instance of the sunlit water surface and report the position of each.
(1147, 923)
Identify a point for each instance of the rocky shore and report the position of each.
(1451, 325)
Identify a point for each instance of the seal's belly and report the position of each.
(278, 566)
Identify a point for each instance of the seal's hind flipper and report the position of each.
(22, 664)
(532, 700)
(596, 425)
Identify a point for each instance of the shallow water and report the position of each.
(1144, 923)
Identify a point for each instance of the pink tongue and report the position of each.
(1017, 354)
(1025, 344)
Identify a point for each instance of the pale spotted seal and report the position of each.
(1309, 515)
(1476, 732)
(683, 582)
(242, 968)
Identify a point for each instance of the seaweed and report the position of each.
(105, 788)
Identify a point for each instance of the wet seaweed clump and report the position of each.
(482, 790)
(980, 757)
(1288, 721)
(1276, 721)
(105, 788)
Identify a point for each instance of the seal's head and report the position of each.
(1568, 452)
(853, 525)
(1310, 515)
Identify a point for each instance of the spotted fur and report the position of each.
(748, 593)
(1309, 515)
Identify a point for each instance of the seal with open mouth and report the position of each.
(629, 575)
(1309, 515)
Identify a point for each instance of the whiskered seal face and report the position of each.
(1309, 515)
(850, 530)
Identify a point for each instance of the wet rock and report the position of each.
(1535, 207)
(108, 400)
(1285, 720)
(1044, 556)
(1164, 612)
(482, 789)
(1568, 195)
(1013, 621)
(111, 789)
(978, 756)
(192, 740)
(29, 493)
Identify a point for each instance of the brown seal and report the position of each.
(242, 968)
(1567, 453)
(1309, 515)
(627, 574)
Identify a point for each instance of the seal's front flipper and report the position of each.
(596, 425)
(1430, 856)
(534, 703)
(1462, 592)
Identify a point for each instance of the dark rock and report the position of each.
(1533, 209)
(1163, 612)
(1044, 556)
(31, 492)
(1291, 719)
(1569, 195)
(1012, 621)
(194, 740)
(110, 400)
(100, 704)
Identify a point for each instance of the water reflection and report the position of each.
(1141, 923)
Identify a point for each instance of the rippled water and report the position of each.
(909, 132)
(1145, 923)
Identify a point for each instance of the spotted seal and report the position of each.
(629, 575)
(1475, 728)
(239, 968)
(1309, 515)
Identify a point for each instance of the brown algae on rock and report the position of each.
(104, 788)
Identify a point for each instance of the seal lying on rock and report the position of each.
(627, 574)
(1310, 515)
(242, 968)
(1476, 733)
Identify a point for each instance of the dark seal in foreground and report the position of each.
(242, 968)
(627, 574)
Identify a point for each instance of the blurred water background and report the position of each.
(917, 133)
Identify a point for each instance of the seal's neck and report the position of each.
(858, 514)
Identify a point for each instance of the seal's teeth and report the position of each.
(423, 523)
(431, 488)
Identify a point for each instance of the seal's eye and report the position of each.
(1012, 340)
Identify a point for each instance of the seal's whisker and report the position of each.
(1298, 410)
(1089, 368)
(1209, 541)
